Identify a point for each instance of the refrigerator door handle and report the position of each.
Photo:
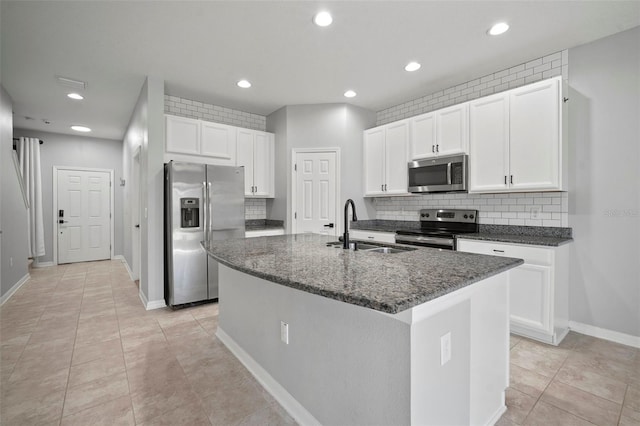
(204, 212)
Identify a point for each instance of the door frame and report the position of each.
(55, 206)
(294, 201)
(136, 204)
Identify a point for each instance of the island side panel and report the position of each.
(345, 364)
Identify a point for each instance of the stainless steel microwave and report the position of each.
(439, 174)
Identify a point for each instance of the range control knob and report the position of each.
(465, 216)
(470, 216)
(427, 215)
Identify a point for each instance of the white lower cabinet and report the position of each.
(378, 236)
(538, 289)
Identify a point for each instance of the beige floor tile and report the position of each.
(527, 381)
(505, 421)
(91, 335)
(113, 413)
(94, 393)
(33, 365)
(266, 416)
(518, 405)
(167, 317)
(191, 414)
(629, 417)
(514, 340)
(632, 398)
(147, 354)
(591, 381)
(183, 329)
(544, 414)
(165, 394)
(155, 374)
(610, 350)
(89, 352)
(34, 388)
(96, 369)
(543, 359)
(601, 365)
(582, 404)
(229, 405)
(42, 410)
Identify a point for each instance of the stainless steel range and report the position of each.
(438, 228)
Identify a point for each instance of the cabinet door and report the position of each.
(396, 159)
(182, 135)
(374, 161)
(218, 141)
(452, 130)
(263, 165)
(489, 144)
(535, 136)
(244, 157)
(423, 136)
(530, 297)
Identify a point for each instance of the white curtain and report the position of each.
(29, 153)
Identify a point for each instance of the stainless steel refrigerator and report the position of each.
(202, 202)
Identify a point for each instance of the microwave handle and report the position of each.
(448, 173)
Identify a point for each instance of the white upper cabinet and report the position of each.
(516, 140)
(255, 151)
(182, 135)
(489, 143)
(385, 159)
(441, 132)
(535, 135)
(423, 136)
(452, 130)
(219, 141)
(188, 139)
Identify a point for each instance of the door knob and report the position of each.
(329, 225)
(138, 226)
(63, 221)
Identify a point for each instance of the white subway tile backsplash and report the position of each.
(500, 209)
(202, 111)
(255, 208)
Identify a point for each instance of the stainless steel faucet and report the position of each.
(345, 236)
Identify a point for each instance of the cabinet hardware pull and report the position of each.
(498, 251)
(381, 187)
(437, 148)
(511, 179)
(371, 238)
(385, 186)
(505, 179)
(433, 148)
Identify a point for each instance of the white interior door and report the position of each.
(84, 208)
(316, 186)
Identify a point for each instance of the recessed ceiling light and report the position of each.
(245, 84)
(323, 19)
(76, 96)
(349, 94)
(80, 129)
(412, 66)
(499, 28)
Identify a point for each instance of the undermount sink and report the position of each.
(366, 247)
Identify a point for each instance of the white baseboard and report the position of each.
(496, 416)
(41, 264)
(13, 289)
(603, 333)
(155, 304)
(126, 265)
(284, 398)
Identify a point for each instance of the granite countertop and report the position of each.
(385, 282)
(531, 235)
(263, 224)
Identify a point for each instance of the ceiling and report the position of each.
(201, 49)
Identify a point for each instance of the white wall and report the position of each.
(146, 131)
(76, 151)
(13, 213)
(317, 126)
(604, 209)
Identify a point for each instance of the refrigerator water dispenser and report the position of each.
(189, 213)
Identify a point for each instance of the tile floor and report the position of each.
(77, 348)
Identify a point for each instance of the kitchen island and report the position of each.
(356, 337)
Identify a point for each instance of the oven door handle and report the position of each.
(448, 173)
(432, 240)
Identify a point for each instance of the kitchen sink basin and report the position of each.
(366, 247)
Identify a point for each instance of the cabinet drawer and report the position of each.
(383, 237)
(531, 255)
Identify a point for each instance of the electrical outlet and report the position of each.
(445, 348)
(535, 212)
(284, 332)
